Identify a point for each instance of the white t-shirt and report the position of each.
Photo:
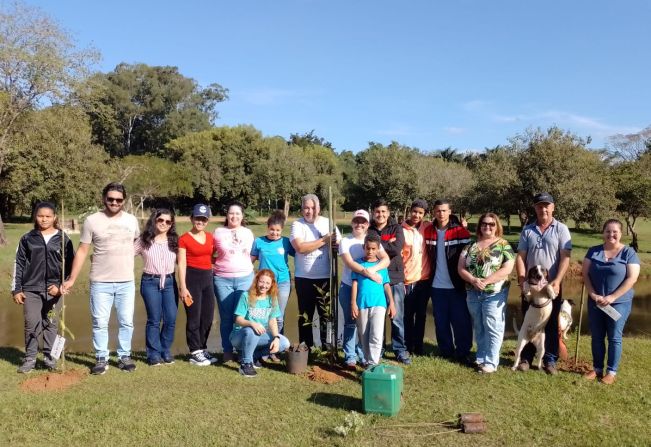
(355, 248)
(316, 264)
(112, 239)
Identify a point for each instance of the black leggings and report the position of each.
(308, 298)
(202, 311)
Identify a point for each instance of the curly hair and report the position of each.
(149, 233)
(273, 291)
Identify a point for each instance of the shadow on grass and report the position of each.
(338, 401)
(12, 355)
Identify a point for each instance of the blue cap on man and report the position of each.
(543, 197)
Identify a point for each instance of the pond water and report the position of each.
(78, 319)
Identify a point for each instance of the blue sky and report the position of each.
(428, 74)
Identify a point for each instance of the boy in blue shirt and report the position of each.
(369, 302)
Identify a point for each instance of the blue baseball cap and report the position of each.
(201, 210)
(543, 197)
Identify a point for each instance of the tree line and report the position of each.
(65, 131)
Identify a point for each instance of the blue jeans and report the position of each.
(488, 311)
(251, 345)
(352, 349)
(284, 289)
(228, 292)
(451, 317)
(104, 295)
(398, 322)
(602, 326)
(160, 304)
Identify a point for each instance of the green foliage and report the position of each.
(558, 162)
(137, 109)
(52, 158)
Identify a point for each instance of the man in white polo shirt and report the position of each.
(111, 232)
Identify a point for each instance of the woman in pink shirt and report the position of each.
(232, 269)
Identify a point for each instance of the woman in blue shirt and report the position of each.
(609, 272)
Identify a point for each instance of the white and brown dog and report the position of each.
(539, 294)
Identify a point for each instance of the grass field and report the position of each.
(185, 405)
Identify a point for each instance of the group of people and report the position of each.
(389, 269)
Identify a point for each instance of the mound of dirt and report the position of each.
(580, 367)
(53, 381)
(327, 376)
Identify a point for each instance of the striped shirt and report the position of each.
(158, 259)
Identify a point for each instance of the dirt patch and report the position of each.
(53, 381)
(328, 375)
(575, 270)
(580, 367)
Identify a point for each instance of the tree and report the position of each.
(496, 186)
(221, 161)
(387, 172)
(137, 109)
(53, 159)
(633, 180)
(438, 178)
(630, 147)
(558, 162)
(39, 64)
(147, 177)
(308, 139)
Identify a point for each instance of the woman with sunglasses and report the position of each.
(158, 245)
(485, 266)
(232, 270)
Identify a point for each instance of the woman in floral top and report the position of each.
(485, 266)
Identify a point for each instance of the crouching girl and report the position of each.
(255, 333)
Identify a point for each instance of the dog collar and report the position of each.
(547, 303)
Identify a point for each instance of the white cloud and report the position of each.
(455, 130)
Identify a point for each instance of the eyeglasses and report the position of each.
(114, 199)
(165, 221)
(488, 224)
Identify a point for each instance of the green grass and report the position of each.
(186, 405)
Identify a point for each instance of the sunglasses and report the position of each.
(488, 224)
(114, 199)
(165, 221)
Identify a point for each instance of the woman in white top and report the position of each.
(310, 238)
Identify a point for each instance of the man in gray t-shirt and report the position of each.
(546, 242)
(111, 232)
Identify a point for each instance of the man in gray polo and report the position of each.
(546, 242)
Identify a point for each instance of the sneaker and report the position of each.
(28, 365)
(198, 358)
(101, 366)
(351, 365)
(274, 358)
(257, 364)
(126, 364)
(487, 369)
(247, 370)
(608, 379)
(523, 366)
(154, 362)
(550, 369)
(168, 360)
(228, 357)
(210, 358)
(404, 358)
(50, 363)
